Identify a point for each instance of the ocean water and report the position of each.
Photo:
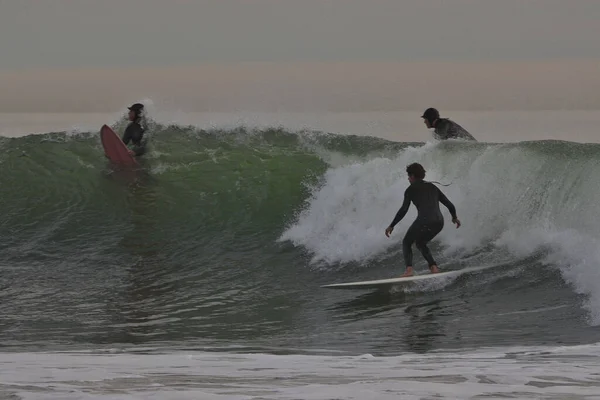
(198, 276)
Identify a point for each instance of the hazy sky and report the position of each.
(85, 36)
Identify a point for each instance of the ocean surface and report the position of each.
(198, 276)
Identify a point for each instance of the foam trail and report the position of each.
(505, 372)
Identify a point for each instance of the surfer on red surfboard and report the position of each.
(134, 132)
(430, 221)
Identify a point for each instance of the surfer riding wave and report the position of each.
(429, 222)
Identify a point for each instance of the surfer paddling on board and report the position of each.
(430, 221)
(134, 132)
(444, 128)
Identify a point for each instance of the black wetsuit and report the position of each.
(430, 221)
(135, 133)
(448, 129)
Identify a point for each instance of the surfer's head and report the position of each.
(135, 111)
(430, 116)
(415, 172)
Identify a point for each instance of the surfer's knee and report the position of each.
(421, 244)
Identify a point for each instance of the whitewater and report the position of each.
(199, 276)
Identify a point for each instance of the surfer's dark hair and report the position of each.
(416, 170)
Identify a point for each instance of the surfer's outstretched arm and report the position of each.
(444, 200)
(403, 210)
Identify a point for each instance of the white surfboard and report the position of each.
(386, 283)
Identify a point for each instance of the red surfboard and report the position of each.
(114, 148)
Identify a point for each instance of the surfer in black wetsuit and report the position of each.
(134, 132)
(444, 128)
(426, 197)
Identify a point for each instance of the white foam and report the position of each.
(577, 257)
(516, 373)
(346, 217)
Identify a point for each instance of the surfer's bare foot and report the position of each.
(434, 269)
(407, 273)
